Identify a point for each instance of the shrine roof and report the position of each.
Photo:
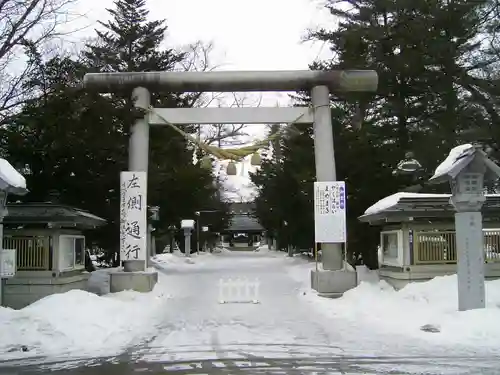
(47, 212)
(402, 207)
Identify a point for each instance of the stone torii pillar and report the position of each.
(320, 83)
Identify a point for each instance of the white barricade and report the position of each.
(239, 290)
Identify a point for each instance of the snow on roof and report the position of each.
(455, 154)
(187, 223)
(10, 176)
(393, 200)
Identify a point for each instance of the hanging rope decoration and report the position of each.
(231, 169)
(233, 154)
(255, 159)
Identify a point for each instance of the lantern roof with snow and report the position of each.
(459, 159)
(187, 224)
(11, 181)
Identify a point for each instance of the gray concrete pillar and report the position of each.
(139, 133)
(134, 277)
(138, 151)
(149, 252)
(470, 257)
(187, 242)
(325, 163)
(470, 265)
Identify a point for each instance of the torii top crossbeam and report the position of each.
(232, 81)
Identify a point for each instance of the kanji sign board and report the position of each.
(330, 212)
(133, 215)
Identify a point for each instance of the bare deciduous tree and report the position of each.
(26, 26)
(229, 135)
(198, 59)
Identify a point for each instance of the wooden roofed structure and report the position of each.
(418, 240)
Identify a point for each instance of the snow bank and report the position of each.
(81, 324)
(9, 174)
(221, 249)
(379, 307)
(364, 274)
(178, 260)
(98, 282)
(176, 257)
(263, 248)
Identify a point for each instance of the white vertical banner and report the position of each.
(133, 215)
(330, 212)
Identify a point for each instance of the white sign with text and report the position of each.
(330, 212)
(133, 215)
(8, 263)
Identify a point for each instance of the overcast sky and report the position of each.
(247, 34)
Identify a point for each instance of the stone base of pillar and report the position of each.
(333, 284)
(134, 265)
(141, 281)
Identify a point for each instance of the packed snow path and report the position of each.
(196, 326)
(182, 327)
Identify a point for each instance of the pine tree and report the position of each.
(130, 42)
(285, 186)
(65, 139)
(422, 52)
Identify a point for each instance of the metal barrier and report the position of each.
(239, 290)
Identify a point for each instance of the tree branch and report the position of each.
(26, 25)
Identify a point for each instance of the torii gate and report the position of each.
(331, 280)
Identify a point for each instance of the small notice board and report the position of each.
(7, 263)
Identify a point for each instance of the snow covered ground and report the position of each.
(376, 307)
(80, 324)
(182, 319)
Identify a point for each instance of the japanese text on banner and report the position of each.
(133, 215)
(330, 212)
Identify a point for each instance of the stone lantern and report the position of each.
(466, 168)
(187, 226)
